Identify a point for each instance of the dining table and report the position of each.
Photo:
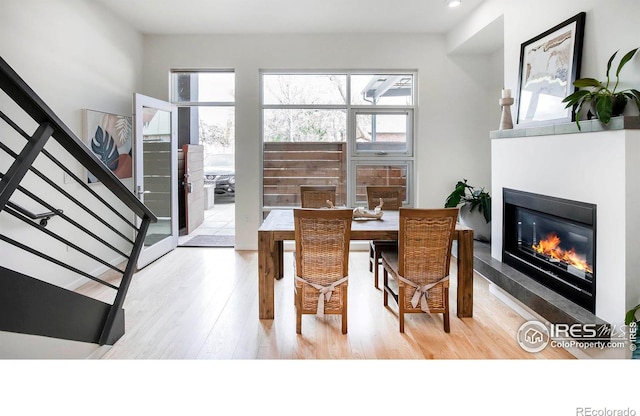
(278, 227)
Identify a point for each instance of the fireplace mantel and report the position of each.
(597, 165)
(587, 126)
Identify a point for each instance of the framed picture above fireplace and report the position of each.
(549, 64)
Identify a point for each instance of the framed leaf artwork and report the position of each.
(109, 137)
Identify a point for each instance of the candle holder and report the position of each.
(506, 122)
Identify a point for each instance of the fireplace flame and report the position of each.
(550, 247)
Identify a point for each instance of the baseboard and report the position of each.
(97, 272)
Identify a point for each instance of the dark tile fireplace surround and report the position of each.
(544, 301)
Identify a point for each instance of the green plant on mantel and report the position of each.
(631, 315)
(474, 197)
(606, 101)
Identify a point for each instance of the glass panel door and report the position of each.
(156, 173)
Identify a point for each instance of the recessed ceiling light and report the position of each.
(453, 3)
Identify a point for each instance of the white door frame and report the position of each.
(152, 251)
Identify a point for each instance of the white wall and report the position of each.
(610, 25)
(595, 168)
(632, 197)
(74, 55)
(453, 103)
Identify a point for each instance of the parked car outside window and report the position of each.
(220, 169)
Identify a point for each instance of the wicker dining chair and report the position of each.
(417, 275)
(321, 262)
(392, 200)
(316, 196)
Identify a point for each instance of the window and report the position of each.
(390, 89)
(206, 101)
(304, 125)
(210, 97)
(348, 129)
(304, 89)
(201, 87)
(383, 132)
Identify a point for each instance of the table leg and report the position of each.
(267, 265)
(465, 274)
(279, 255)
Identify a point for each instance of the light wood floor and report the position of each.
(201, 303)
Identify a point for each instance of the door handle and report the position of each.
(141, 192)
(188, 186)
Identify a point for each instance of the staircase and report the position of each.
(53, 223)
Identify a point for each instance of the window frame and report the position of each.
(409, 148)
(354, 157)
(355, 162)
(173, 88)
(196, 105)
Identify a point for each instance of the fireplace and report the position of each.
(552, 240)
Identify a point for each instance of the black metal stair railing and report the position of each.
(55, 227)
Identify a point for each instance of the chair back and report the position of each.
(424, 243)
(391, 197)
(322, 244)
(316, 196)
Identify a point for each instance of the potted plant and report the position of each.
(475, 208)
(607, 102)
(632, 319)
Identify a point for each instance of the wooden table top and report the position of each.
(281, 221)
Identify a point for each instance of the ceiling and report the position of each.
(290, 16)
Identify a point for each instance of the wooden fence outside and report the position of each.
(379, 175)
(291, 164)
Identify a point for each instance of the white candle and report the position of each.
(506, 93)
